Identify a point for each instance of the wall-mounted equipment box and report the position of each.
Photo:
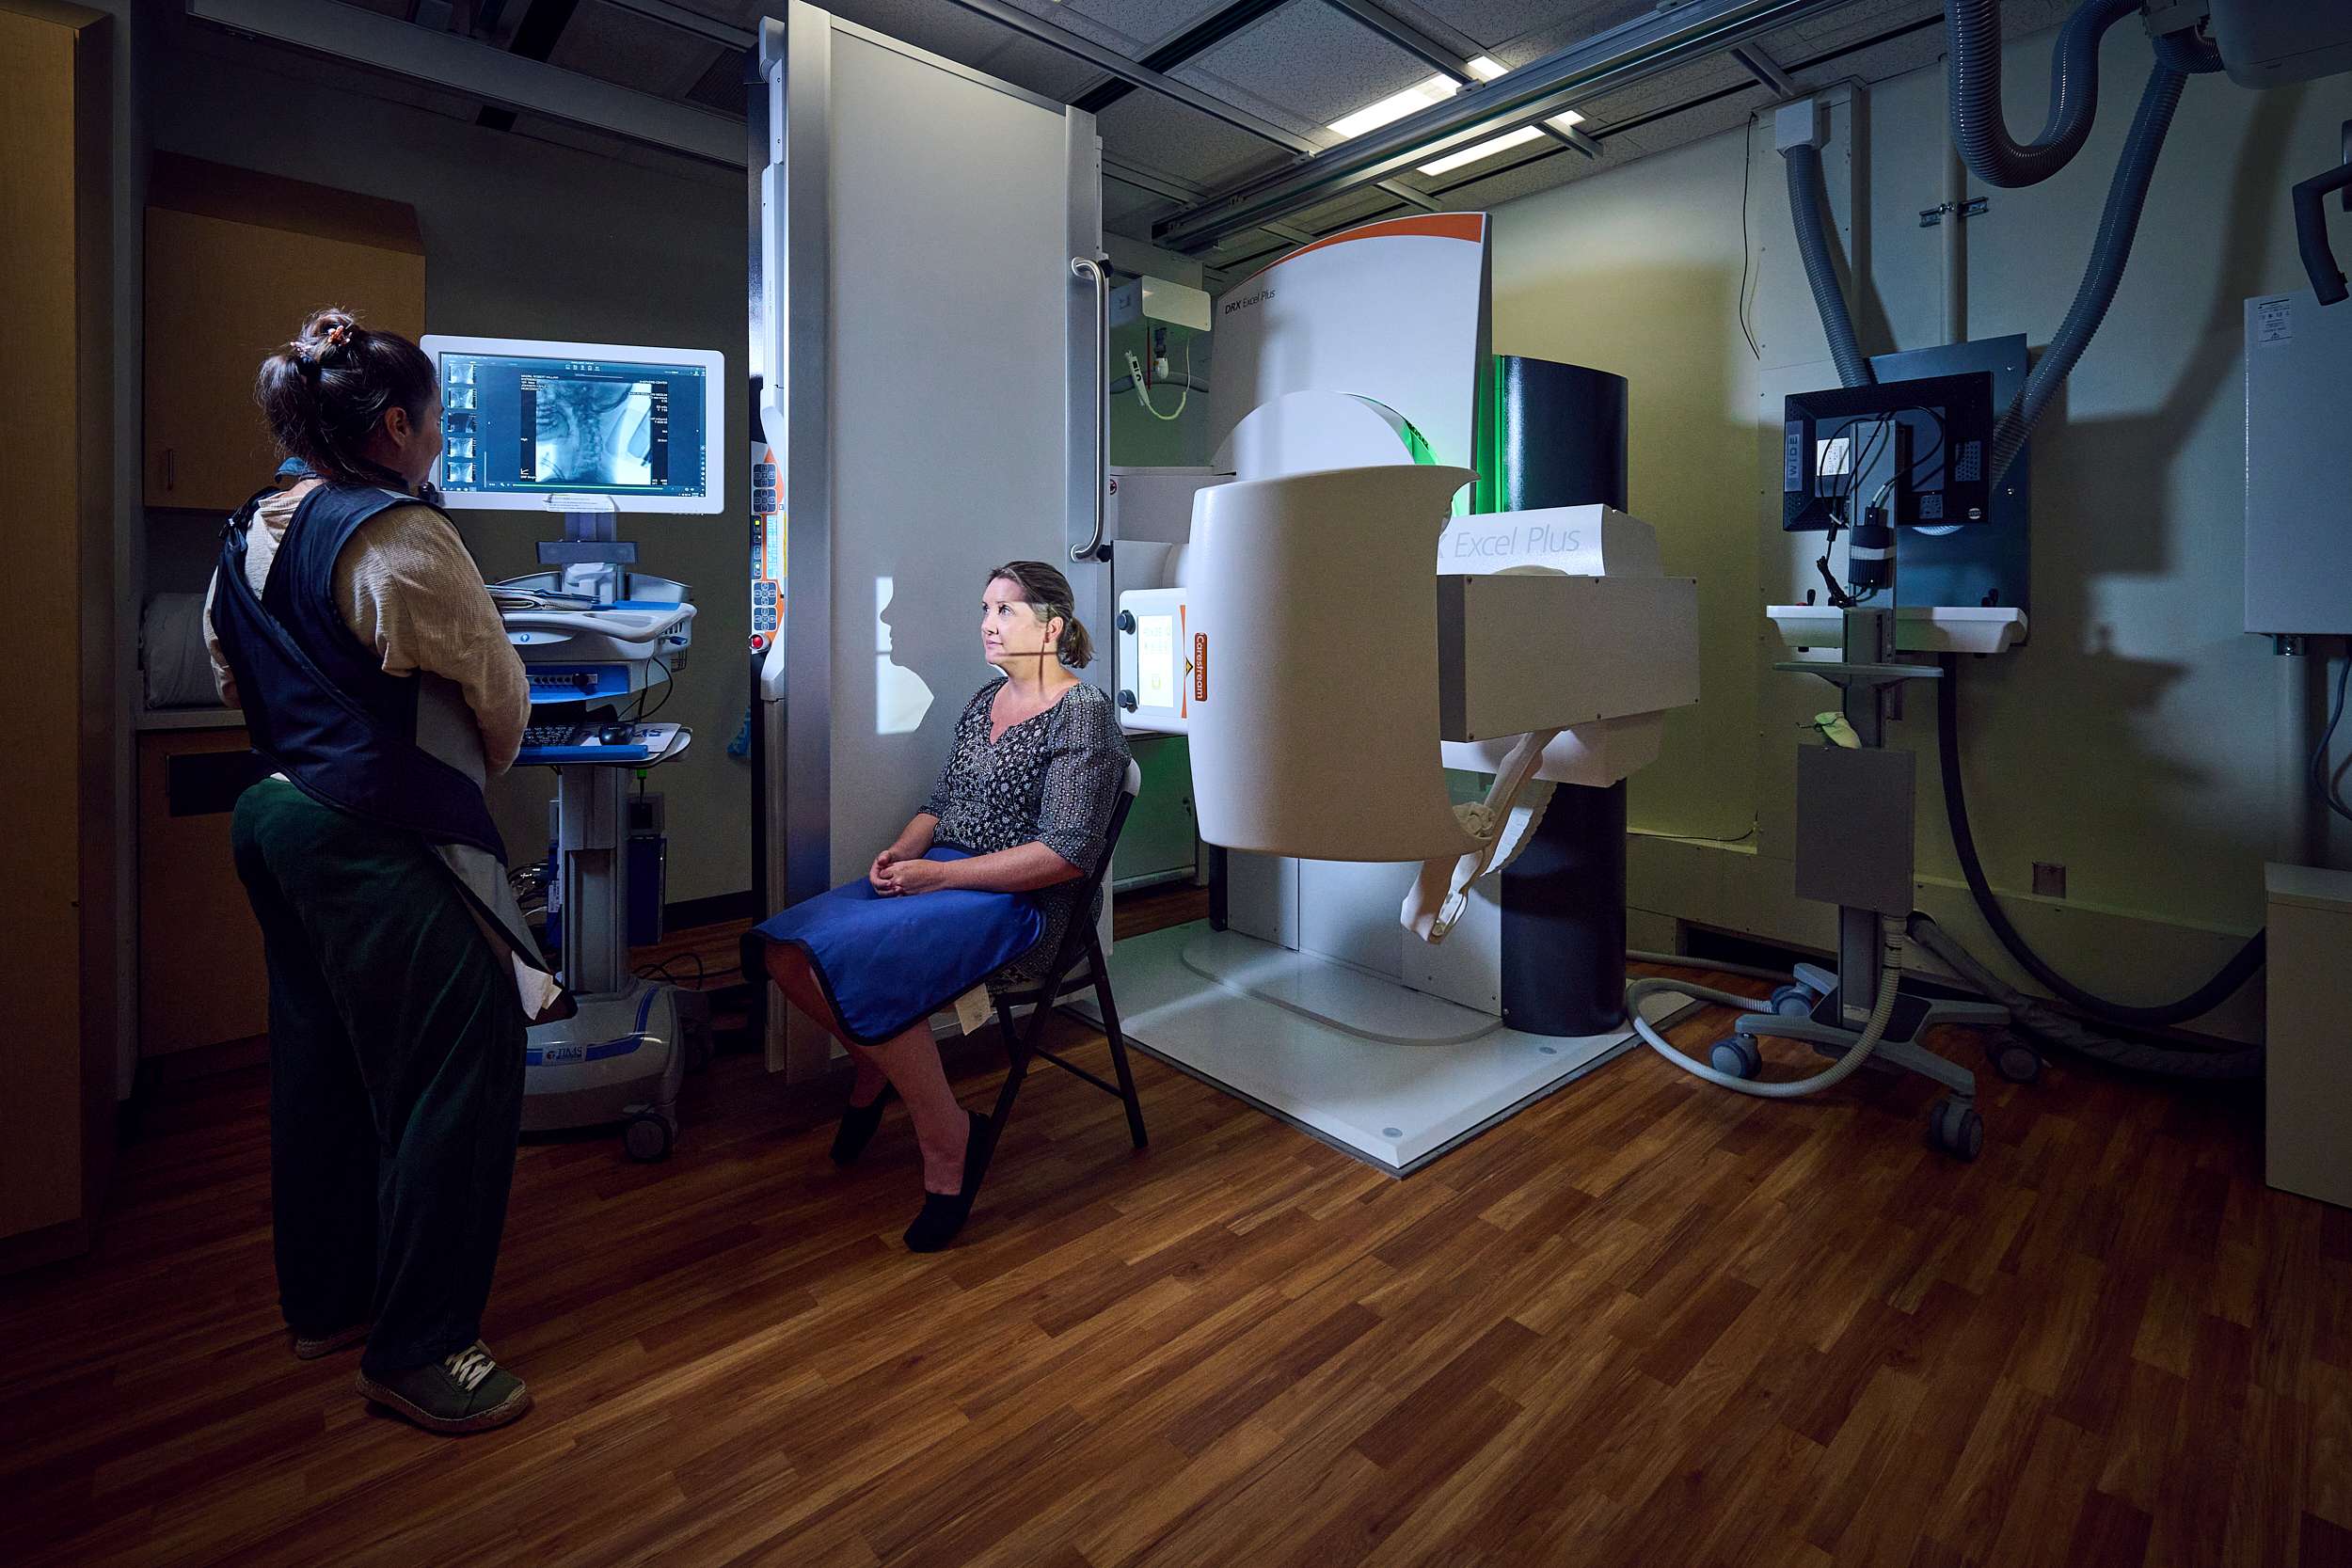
(2298, 503)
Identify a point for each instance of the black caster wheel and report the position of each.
(1736, 1056)
(1793, 1001)
(1955, 1127)
(647, 1135)
(2016, 1061)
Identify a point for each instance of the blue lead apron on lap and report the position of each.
(886, 964)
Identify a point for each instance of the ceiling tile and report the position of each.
(1309, 63)
(619, 46)
(1163, 133)
(1496, 22)
(723, 87)
(1128, 211)
(744, 14)
(1136, 25)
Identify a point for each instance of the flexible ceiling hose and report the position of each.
(1891, 939)
(2186, 52)
(1807, 204)
(1975, 69)
(2202, 1000)
(2119, 224)
(2037, 1017)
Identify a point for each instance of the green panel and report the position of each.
(1487, 435)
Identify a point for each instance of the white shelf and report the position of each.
(1918, 628)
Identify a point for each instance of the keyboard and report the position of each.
(559, 735)
(553, 745)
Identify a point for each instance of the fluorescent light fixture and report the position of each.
(1395, 106)
(1398, 104)
(1493, 145)
(1436, 90)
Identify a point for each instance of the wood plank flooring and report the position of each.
(1646, 1322)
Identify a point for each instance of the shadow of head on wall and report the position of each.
(926, 649)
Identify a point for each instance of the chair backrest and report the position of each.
(1073, 940)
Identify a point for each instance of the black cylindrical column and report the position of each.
(1559, 440)
(1564, 917)
(1559, 435)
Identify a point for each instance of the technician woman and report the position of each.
(978, 888)
(351, 624)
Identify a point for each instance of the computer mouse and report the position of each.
(618, 734)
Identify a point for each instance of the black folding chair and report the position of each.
(1080, 944)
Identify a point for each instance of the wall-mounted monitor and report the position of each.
(524, 422)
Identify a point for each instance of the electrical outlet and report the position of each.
(2049, 879)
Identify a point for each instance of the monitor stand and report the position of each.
(591, 553)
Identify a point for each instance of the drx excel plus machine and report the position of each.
(582, 431)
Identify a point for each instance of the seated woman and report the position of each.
(980, 887)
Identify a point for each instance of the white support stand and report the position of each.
(591, 858)
(619, 1058)
(591, 554)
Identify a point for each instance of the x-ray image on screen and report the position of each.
(524, 421)
(595, 430)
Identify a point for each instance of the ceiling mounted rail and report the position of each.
(1532, 94)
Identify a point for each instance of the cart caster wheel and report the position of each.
(647, 1135)
(1736, 1056)
(2016, 1061)
(1793, 1001)
(1955, 1129)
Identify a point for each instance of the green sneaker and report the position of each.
(465, 1391)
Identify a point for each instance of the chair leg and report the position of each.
(1018, 1049)
(750, 958)
(1117, 1041)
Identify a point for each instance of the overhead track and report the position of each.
(684, 21)
(1533, 92)
(535, 37)
(460, 64)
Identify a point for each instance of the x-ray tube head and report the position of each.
(1313, 664)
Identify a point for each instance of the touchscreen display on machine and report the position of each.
(538, 426)
(1155, 660)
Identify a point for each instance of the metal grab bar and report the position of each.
(1086, 267)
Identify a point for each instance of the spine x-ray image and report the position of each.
(587, 430)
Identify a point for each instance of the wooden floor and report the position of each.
(1644, 1321)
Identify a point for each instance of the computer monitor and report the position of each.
(1839, 451)
(526, 422)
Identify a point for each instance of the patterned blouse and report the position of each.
(1052, 779)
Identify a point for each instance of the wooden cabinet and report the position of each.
(235, 261)
(59, 793)
(202, 981)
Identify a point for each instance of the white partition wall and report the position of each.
(931, 400)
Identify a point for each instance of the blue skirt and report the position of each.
(886, 964)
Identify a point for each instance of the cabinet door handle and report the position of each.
(171, 468)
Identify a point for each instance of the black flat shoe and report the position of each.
(858, 1126)
(944, 1213)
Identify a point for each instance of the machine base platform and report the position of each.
(1390, 1075)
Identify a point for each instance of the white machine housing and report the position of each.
(922, 423)
(1334, 631)
(1600, 650)
(575, 651)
